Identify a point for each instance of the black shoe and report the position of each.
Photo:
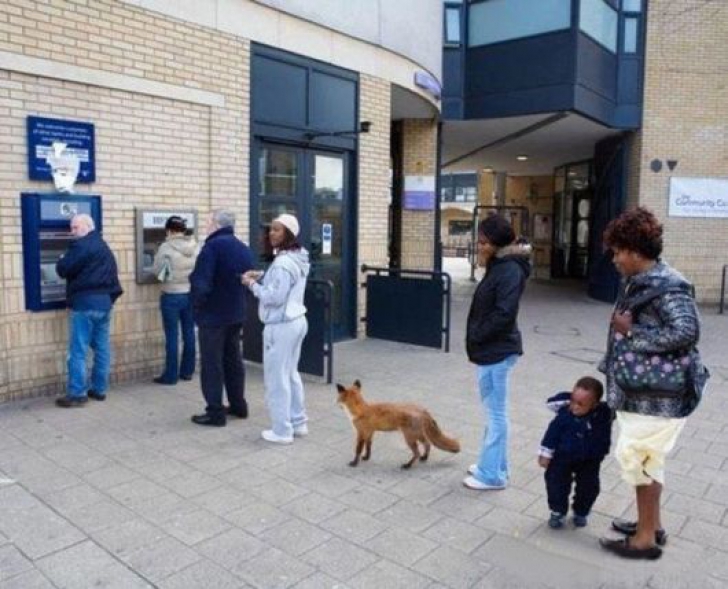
(71, 401)
(160, 380)
(622, 548)
(629, 528)
(186, 377)
(97, 396)
(205, 419)
(240, 414)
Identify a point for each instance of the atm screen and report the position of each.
(52, 286)
(53, 246)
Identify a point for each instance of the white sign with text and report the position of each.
(698, 197)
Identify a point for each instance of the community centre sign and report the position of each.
(699, 197)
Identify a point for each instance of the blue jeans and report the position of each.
(177, 311)
(88, 329)
(493, 384)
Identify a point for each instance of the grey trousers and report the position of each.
(284, 395)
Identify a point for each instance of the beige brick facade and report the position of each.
(418, 227)
(686, 119)
(170, 102)
(152, 152)
(374, 179)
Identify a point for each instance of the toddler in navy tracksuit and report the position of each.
(572, 450)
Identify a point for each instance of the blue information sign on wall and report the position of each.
(79, 137)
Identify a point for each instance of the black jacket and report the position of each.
(216, 290)
(492, 331)
(573, 438)
(89, 267)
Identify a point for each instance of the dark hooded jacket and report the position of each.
(666, 323)
(492, 330)
(90, 270)
(215, 286)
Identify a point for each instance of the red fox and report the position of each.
(415, 423)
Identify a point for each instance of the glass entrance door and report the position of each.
(313, 185)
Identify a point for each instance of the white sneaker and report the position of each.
(270, 436)
(300, 431)
(472, 469)
(476, 485)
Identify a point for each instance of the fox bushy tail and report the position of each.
(439, 439)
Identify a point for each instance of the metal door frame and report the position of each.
(305, 155)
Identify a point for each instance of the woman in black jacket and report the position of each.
(493, 342)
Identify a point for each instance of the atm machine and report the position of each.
(46, 233)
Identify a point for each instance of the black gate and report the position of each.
(408, 306)
(317, 353)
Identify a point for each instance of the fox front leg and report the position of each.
(357, 451)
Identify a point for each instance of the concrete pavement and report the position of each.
(129, 493)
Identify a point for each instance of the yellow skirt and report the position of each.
(644, 441)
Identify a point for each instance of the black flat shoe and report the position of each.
(96, 396)
(185, 377)
(623, 549)
(205, 419)
(160, 380)
(239, 414)
(629, 528)
(67, 402)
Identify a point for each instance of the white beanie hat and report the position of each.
(289, 222)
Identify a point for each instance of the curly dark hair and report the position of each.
(636, 230)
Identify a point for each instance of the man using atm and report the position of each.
(92, 287)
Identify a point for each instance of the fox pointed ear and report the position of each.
(340, 387)
(357, 383)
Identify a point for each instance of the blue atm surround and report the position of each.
(46, 234)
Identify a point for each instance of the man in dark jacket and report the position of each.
(92, 287)
(219, 308)
(493, 342)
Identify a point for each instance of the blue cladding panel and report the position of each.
(630, 87)
(597, 69)
(333, 102)
(526, 64)
(279, 92)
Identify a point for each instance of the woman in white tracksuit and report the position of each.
(282, 311)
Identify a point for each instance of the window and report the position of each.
(599, 20)
(452, 25)
(631, 5)
(629, 44)
(502, 20)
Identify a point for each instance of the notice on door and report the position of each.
(327, 234)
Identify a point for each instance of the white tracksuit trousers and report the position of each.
(284, 395)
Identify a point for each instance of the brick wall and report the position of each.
(418, 227)
(151, 152)
(686, 119)
(374, 177)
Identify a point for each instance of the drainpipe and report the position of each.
(437, 265)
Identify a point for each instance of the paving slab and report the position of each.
(130, 493)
